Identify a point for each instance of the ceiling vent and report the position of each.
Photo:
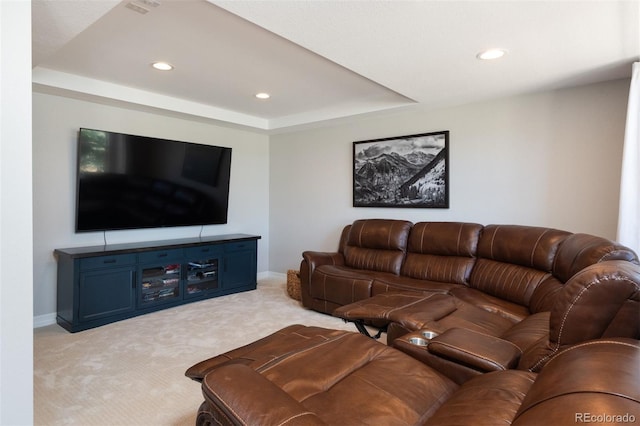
(137, 8)
(140, 8)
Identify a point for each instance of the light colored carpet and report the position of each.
(132, 372)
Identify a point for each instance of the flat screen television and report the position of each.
(133, 182)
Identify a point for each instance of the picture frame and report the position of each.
(404, 171)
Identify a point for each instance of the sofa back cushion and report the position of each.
(377, 244)
(581, 250)
(575, 253)
(514, 260)
(442, 251)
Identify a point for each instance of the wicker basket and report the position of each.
(293, 284)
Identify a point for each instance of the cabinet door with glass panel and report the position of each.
(202, 271)
(161, 278)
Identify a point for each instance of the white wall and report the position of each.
(16, 314)
(549, 159)
(56, 121)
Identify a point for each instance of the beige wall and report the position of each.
(56, 121)
(548, 159)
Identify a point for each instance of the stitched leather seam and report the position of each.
(544, 359)
(535, 246)
(493, 237)
(326, 274)
(616, 251)
(424, 229)
(599, 342)
(282, 358)
(404, 306)
(306, 413)
(595, 281)
(353, 290)
(275, 359)
(324, 287)
(564, 319)
(242, 420)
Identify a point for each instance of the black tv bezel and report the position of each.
(138, 227)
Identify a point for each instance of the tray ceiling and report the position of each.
(323, 60)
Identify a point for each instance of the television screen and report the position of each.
(131, 182)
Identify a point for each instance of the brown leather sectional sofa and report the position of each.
(494, 287)
(486, 325)
(313, 376)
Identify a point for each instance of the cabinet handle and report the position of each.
(109, 261)
(163, 255)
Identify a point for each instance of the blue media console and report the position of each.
(102, 284)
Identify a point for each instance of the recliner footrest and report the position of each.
(381, 306)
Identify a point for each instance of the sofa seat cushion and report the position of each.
(509, 310)
(383, 284)
(442, 312)
(487, 400)
(426, 310)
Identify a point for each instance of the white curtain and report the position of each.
(629, 215)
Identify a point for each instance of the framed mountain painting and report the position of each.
(403, 171)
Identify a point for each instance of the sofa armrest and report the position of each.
(602, 300)
(310, 261)
(237, 394)
(318, 258)
(476, 350)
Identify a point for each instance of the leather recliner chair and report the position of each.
(313, 376)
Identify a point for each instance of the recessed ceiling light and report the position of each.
(162, 66)
(491, 54)
(263, 95)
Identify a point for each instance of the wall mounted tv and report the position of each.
(132, 182)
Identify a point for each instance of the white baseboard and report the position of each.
(271, 274)
(44, 320)
(50, 319)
